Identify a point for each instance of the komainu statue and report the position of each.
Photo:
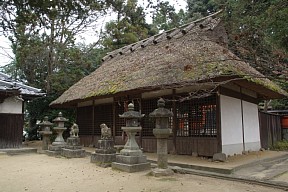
(74, 130)
(105, 132)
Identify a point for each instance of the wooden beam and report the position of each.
(218, 123)
(238, 95)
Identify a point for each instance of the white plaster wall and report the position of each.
(231, 125)
(251, 126)
(11, 105)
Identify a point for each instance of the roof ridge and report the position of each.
(169, 34)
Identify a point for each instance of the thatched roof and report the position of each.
(193, 53)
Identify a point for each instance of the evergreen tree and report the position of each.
(130, 25)
(197, 9)
(165, 16)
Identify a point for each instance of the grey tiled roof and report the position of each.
(7, 84)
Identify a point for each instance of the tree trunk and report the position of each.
(50, 57)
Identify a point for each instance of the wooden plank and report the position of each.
(11, 130)
(270, 129)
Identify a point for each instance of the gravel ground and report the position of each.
(39, 172)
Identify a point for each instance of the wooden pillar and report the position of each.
(140, 110)
(114, 118)
(93, 121)
(174, 129)
(242, 118)
(218, 122)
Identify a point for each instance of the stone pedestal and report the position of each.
(162, 153)
(45, 139)
(45, 132)
(105, 154)
(59, 143)
(162, 133)
(73, 149)
(131, 158)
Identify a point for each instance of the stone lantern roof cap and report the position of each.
(131, 114)
(45, 122)
(60, 118)
(161, 111)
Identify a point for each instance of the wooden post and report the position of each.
(114, 118)
(93, 121)
(218, 121)
(242, 118)
(174, 122)
(140, 110)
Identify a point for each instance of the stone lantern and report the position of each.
(59, 143)
(131, 158)
(162, 132)
(45, 132)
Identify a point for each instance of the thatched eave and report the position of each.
(194, 53)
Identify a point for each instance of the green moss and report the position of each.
(280, 146)
(270, 85)
(211, 69)
(106, 88)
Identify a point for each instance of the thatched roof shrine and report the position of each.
(193, 53)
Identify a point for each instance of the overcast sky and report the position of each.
(6, 54)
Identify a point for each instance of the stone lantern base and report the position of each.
(105, 154)
(157, 172)
(73, 149)
(55, 150)
(131, 163)
(45, 139)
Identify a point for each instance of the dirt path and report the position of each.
(39, 172)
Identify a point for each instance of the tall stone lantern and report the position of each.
(59, 143)
(45, 132)
(162, 132)
(131, 158)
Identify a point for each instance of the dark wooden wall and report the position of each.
(270, 129)
(11, 130)
(194, 124)
(184, 145)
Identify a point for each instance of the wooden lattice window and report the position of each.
(84, 120)
(103, 114)
(148, 124)
(120, 108)
(197, 117)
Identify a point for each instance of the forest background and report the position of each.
(43, 38)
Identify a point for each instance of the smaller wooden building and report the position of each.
(13, 94)
(211, 92)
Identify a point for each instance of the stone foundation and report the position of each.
(162, 172)
(131, 163)
(73, 149)
(53, 153)
(73, 153)
(54, 150)
(105, 154)
(102, 160)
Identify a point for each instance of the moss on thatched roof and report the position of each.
(195, 52)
